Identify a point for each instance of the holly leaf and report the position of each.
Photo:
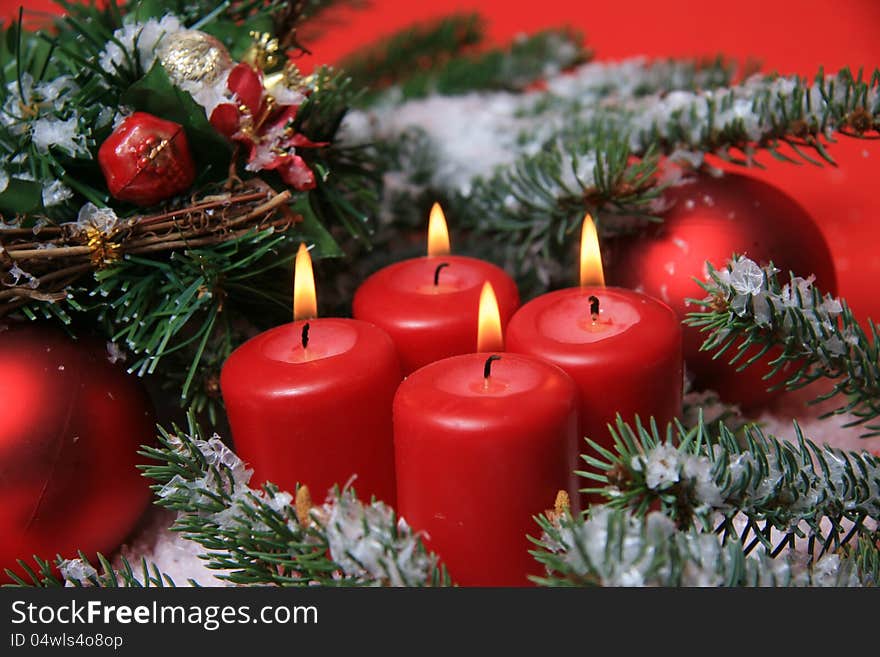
(21, 197)
(156, 94)
(312, 231)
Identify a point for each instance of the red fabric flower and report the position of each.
(264, 129)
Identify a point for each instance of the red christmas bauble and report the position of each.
(710, 220)
(71, 423)
(146, 160)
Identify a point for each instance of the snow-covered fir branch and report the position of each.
(269, 536)
(37, 116)
(473, 134)
(769, 493)
(612, 547)
(132, 48)
(675, 104)
(524, 167)
(80, 572)
(748, 311)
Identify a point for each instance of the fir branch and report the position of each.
(347, 183)
(613, 123)
(767, 492)
(80, 572)
(263, 537)
(749, 312)
(526, 61)
(414, 49)
(542, 198)
(765, 112)
(612, 547)
(592, 140)
(439, 58)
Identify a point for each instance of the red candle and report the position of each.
(622, 348)
(310, 402)
(482, 447)
(429, 305)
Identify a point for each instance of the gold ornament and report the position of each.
(290, 78)
(102, 250)
(193, 56)
(263, 52)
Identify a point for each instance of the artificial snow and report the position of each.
(209, 96)
(63, 134)
(136, 39)
(115, 354)
(55, 192)
(369, 542)
(91, 216)
(76, 571)
(19, 277)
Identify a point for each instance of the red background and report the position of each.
(791, 36)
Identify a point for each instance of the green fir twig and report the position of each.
(768, 492)
(749, 312)
(265, 537)
(80, 572)
(612, 547)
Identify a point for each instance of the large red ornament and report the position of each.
(711, 219)
(71, 423)
(147, 160)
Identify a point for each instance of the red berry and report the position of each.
(146, 160)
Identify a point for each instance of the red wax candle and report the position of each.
(429, 305)
(627, 361)
(477, 457)
(318, 414)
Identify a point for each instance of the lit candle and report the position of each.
(483, 443)
(310, 402)
(429, 305)
(622, 348)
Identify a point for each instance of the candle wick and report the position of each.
(487, 368)
(437, 272)
(594, 308)
(305, 335)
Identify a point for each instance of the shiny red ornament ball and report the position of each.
(711, 219)
(71, 423)
(146, 160)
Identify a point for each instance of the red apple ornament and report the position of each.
(711, 219)
(146, 160)
(71, 423)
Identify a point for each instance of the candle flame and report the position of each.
(438, 233)
(489, 335)
(591, 257)
(305, 300)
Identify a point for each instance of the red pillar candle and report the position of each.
(622, 348)
(478, 454)
(310, 402)
(429, 305)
